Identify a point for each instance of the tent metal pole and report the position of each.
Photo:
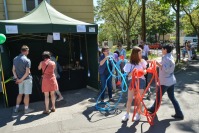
(2, 82)
(87, 55)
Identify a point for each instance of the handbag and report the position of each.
(43, 73)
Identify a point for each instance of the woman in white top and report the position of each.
(137, 62)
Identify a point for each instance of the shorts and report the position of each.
(142, 83)
(25, 87)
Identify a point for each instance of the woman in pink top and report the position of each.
(49, 82)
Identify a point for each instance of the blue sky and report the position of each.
(95, 2)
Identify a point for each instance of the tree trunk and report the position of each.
(198, 43)
(143, 37)
(128, 39)
(178, 32)
(163, 37)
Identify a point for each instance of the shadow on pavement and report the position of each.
(187, 126)
(23, 119)
(93, 115)
(188, 76)
(160, 126)
(5, 117)
(125, 129)
(70, 98)
(75, 96)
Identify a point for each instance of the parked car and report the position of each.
(155, 46)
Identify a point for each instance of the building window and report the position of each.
(29, 5)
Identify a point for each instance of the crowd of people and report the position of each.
(189, 50)
(139, 60)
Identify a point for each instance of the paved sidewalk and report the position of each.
(77, 114)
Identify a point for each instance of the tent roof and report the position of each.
(45, 19)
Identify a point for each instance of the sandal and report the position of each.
(52, 110)
(46, 112)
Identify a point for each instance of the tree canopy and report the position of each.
(123, 22)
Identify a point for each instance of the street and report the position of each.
(77, 113)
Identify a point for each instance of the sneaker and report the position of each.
(178, 116)
(102, 101)
(136, 117)
(16, 110)
(111, 100)
(59, 99)
(125, 117)
(150, 110)
(114, 90)
(29, 110)
(148, 95)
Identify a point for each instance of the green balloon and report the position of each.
(2, 38)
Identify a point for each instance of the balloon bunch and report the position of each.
(2, 38)
(124, 87)
(136, 74)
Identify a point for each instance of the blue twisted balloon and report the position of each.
(123, 86)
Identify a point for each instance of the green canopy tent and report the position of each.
(76, 38)
(45, 19)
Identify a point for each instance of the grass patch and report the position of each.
(152, 56)
(128, 53)
(113, 49)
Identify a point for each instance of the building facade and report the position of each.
(78, 9)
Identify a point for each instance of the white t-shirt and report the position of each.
(146, 50)
(143, 53)
(129, 67)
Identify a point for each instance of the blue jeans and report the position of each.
(170, 92)
(142, 83)
(103, 79)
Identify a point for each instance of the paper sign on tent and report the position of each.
(91, 29)
(81, 28)
(49, 39)
(11, 29)
(56, 36)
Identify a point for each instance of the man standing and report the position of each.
(121, 50)
(146, 50)
(105, 80)
(189, 51)
(122, 54)
(21, 72)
